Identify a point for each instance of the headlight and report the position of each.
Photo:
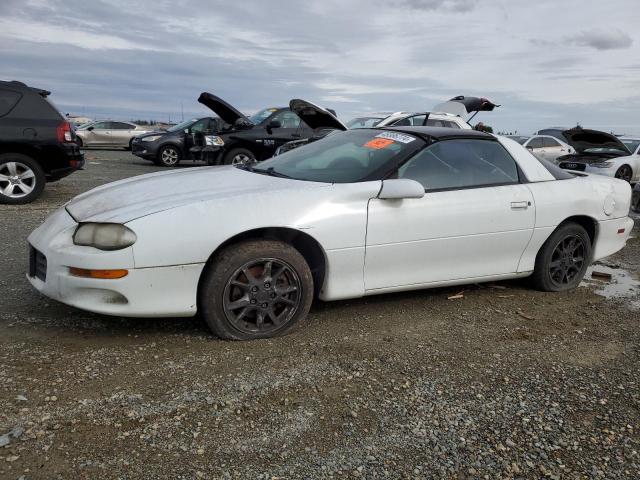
(602, 164)
(104, 236)
(213, 141)
(152, 138)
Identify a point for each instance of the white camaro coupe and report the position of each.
(357, 213)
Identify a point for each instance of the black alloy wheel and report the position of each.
(567, 260)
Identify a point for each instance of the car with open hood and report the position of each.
(250, 139)
(601, 153)
(356, 213)
(168, 147)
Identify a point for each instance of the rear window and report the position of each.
(557, 172)
(8, 100)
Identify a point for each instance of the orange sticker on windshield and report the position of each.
(378, 143)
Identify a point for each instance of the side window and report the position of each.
(403, 122)
(201, 126)
(550, 142)
(121, 126)
(8, 100)
(452, 124)
(102, 126)
(535, 143)
(463, 163)
(287, 119)
(418, 120)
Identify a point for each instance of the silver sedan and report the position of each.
(108, 134)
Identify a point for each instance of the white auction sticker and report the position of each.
(397, 137)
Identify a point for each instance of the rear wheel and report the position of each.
(256, 289)
(21, 179)
(624, 173)
(168, 156)
(563, 259)
(79, 142)
(239, 156)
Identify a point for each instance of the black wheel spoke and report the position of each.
(567, 260)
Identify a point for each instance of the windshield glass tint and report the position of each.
(181, 126)
(364, 122)
(262, 115)
(345, 157)
(631, 144)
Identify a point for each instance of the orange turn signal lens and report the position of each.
(107, 274)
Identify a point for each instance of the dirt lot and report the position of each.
(506, 382)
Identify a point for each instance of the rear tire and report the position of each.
(168, 156)
(256, 289)
(239, 156)
(79, 142)
(22, 179)
(563, 259)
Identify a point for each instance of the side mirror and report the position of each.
(89, 128)
(396, 189)
(273, 124)
(186, 130)
(530, 149)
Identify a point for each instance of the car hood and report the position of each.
(315, 116)
(582, 139)
(228, 113)
(462, 106)
(126, 200)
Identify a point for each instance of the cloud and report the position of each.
(602, 40)
(444, 5)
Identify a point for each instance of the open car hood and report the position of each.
(315, 116)
(462, 106)
(226, 112)
(582, 139)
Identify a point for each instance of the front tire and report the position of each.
(22, 179)
(624, 173)
(239, 156)
(563, 259)
(256, 289)
(168, 156)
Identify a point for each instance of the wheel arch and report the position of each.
(24, 149)
(307, 245)
(590, 224)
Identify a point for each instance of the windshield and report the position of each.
(605, 150)
(632, 145)
(364, 122)
(345, 157)
(262, 115)
(182, 126)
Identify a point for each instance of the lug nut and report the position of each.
(273, 295)
(264, 305)
(253, 301)
(254, 289)
(267, 285)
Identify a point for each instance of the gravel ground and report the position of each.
(505, 382)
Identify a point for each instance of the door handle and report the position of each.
(520, 205)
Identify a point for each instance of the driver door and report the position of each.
(474, 221)
(100, 134)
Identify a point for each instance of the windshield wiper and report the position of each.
(245, 166)
(270, 171)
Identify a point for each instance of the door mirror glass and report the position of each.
(90, 128)
(274, 124)
(396, 189)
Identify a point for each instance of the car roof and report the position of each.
(441, 133)
(20, 86)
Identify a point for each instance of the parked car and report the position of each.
(109, 134)
(37, 144)
(547, 147)
(170, 146)
(426, 207)
(600, 153)
(519, 138)
(252, 139)
(632, 144)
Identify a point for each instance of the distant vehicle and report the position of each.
(600, 153)
(108, 133)
(78, 121)
(519, 138)
(168, 147)
(37, 144)
(547, 147)
(633, 144)
(244, 140)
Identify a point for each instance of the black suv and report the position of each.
(250, 139)
(37, 144)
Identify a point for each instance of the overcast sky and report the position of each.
(547, 63)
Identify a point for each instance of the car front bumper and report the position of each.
(168, 291)
(146, 150)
